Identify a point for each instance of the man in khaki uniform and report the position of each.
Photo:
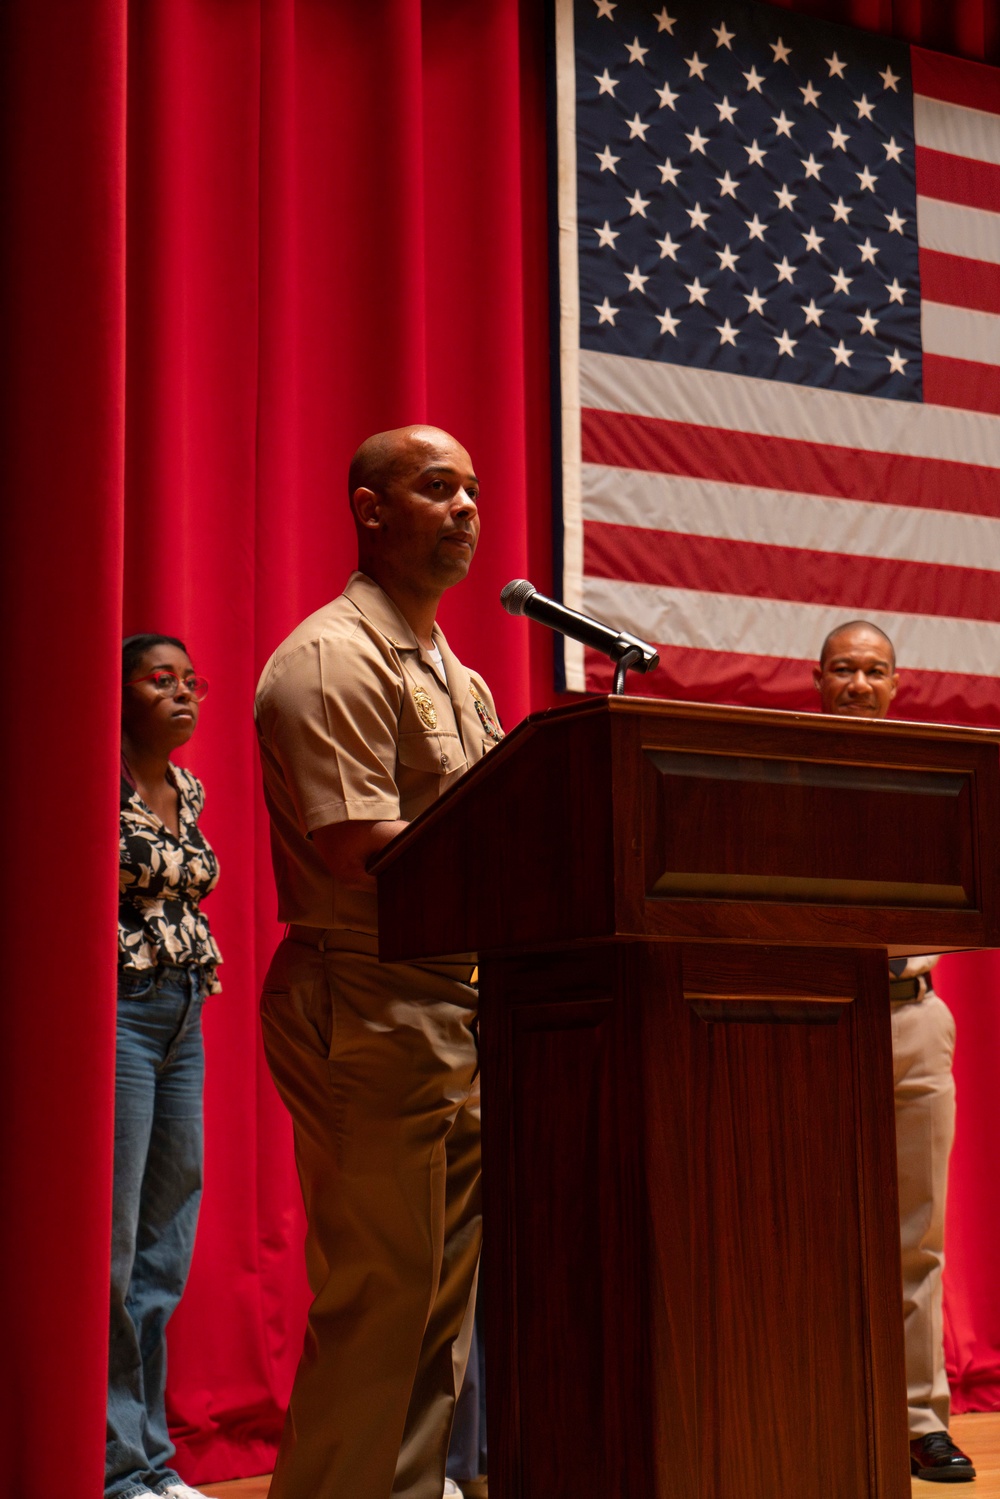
(857, 676)
(364, 717)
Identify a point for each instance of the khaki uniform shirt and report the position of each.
(355, 724)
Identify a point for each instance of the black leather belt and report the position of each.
(905, 989)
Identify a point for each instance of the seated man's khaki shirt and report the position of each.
(355, 724)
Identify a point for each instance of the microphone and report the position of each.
(521, 597)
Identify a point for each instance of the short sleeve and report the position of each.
(329, 718)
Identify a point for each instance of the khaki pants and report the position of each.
(377, 1065)
(923, 1047)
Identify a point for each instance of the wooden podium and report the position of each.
(682, 915)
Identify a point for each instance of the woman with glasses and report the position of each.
(167, 961)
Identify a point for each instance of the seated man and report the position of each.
(856, 676)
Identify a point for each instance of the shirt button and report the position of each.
(444, 762)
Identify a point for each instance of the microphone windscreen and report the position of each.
(516, 595)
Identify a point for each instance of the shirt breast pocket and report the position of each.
(431, 754)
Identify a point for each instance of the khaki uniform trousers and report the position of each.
(377, 1065)
(923, 1048)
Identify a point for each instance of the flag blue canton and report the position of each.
(746, 195)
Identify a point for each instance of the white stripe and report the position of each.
(960, 333)
(776, 517)
(956, 129)
(645, 387)
(956, 230)
(569, 330)
(775, 627)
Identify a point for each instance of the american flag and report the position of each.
(779, 268)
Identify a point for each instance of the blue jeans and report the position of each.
(159, 1071)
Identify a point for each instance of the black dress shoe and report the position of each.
(936, 1458)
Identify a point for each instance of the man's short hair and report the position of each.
(856, 624)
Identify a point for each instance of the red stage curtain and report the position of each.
(334, 221)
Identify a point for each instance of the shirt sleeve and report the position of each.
(331, 723)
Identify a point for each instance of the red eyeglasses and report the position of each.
(168, 684)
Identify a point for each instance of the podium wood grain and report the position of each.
(682, 917)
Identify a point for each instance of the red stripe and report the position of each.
(702, 676)
(656, 446)
(961, 382)
(959, 282)
(668, 559)
(955, 80)
(958, 179)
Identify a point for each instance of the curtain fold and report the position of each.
(62, 328)
(237, 239)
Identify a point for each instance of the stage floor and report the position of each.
(978, 1435)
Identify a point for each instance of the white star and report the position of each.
(727, 334)
(839, 138)
(896, 362)
(754, 154)
(812, 312)
(781, 52)
(785, 344)
(726, 110)
(813, 240)
(696, 290)
(723, 38)
(636, 280)
(695, 65)
(606, 313)
(727, 260)
(607, 160)
(696, 141)
(636, 127)
(841, 212)
(864, 108)
(667, 247)
(782, 124)
(698, 217)
(665, 22)
(667, 96)
(636, 205)
(813, 167)
(668, 323)
(755, 302)
(866, 179)
(892, 151)
(727, 186)
(835, 65)
(784, 197)
(890, 79)
(754, 79)
(606, 237)
(785, 271)
(755, 227)
(868, 252)
(895, 222)
(841, 355)
(605, 7)
(606, 83)
(868, 323)
(669, 173)
(840, 281)
(896, 292)
(636, 53)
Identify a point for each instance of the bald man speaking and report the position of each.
(364, 717)
(856, 677)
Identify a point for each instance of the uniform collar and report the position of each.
(379, 610)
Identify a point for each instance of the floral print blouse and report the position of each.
(162, 878)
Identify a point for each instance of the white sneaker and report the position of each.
(180, 1491)
(451, 1490)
